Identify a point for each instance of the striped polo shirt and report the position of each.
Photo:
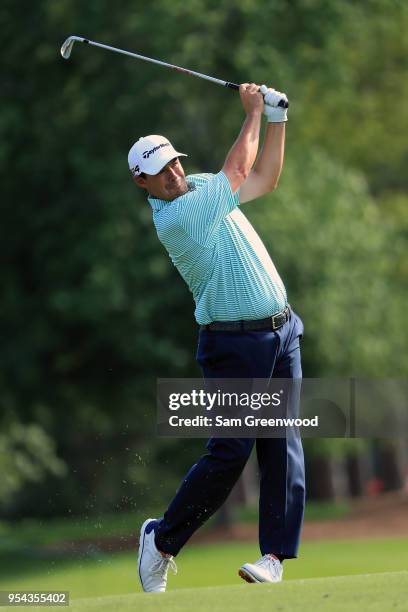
(218, 253)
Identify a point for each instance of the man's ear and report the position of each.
(140, 181)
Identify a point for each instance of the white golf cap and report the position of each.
(150, 154)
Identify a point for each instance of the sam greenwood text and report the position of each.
(248, 421)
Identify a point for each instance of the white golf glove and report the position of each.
(273, 112)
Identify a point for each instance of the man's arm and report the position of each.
(264, 176)
(242, 155)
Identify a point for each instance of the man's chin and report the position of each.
(179, 190)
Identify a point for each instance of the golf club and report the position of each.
(66, 50)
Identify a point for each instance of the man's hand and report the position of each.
(273, 112)
(252, 100)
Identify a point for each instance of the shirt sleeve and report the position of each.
(201, 211)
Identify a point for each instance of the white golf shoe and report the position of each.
(152, 564)
(266, 569)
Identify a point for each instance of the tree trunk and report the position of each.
(390, 470)
(353, 470)
(320, 479)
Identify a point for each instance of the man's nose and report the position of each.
(172, 172)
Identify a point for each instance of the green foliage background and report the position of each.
(92, 309)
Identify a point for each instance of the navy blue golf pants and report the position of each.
(247, 354)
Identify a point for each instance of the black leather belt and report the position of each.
(272, 323)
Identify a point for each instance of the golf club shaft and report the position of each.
(67, 47)
(158, 62)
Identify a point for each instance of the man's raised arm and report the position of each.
(242, 155)
(264, 176)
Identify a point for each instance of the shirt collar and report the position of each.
(157, 204)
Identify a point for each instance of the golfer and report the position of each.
(247, 330)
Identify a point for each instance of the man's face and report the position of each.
(169, 184)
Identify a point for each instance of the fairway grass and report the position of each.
(210, 565)
(373, 592)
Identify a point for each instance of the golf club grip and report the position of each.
(282, 103)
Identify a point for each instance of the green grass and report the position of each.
(34, 532)
(199, 566)
(375, 592)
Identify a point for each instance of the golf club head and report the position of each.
(66, 48)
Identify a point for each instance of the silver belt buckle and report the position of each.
(273, 321)
(283, 313)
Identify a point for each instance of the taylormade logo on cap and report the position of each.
(147, 154)
(150, 154)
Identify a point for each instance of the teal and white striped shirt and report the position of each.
(218, 252)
